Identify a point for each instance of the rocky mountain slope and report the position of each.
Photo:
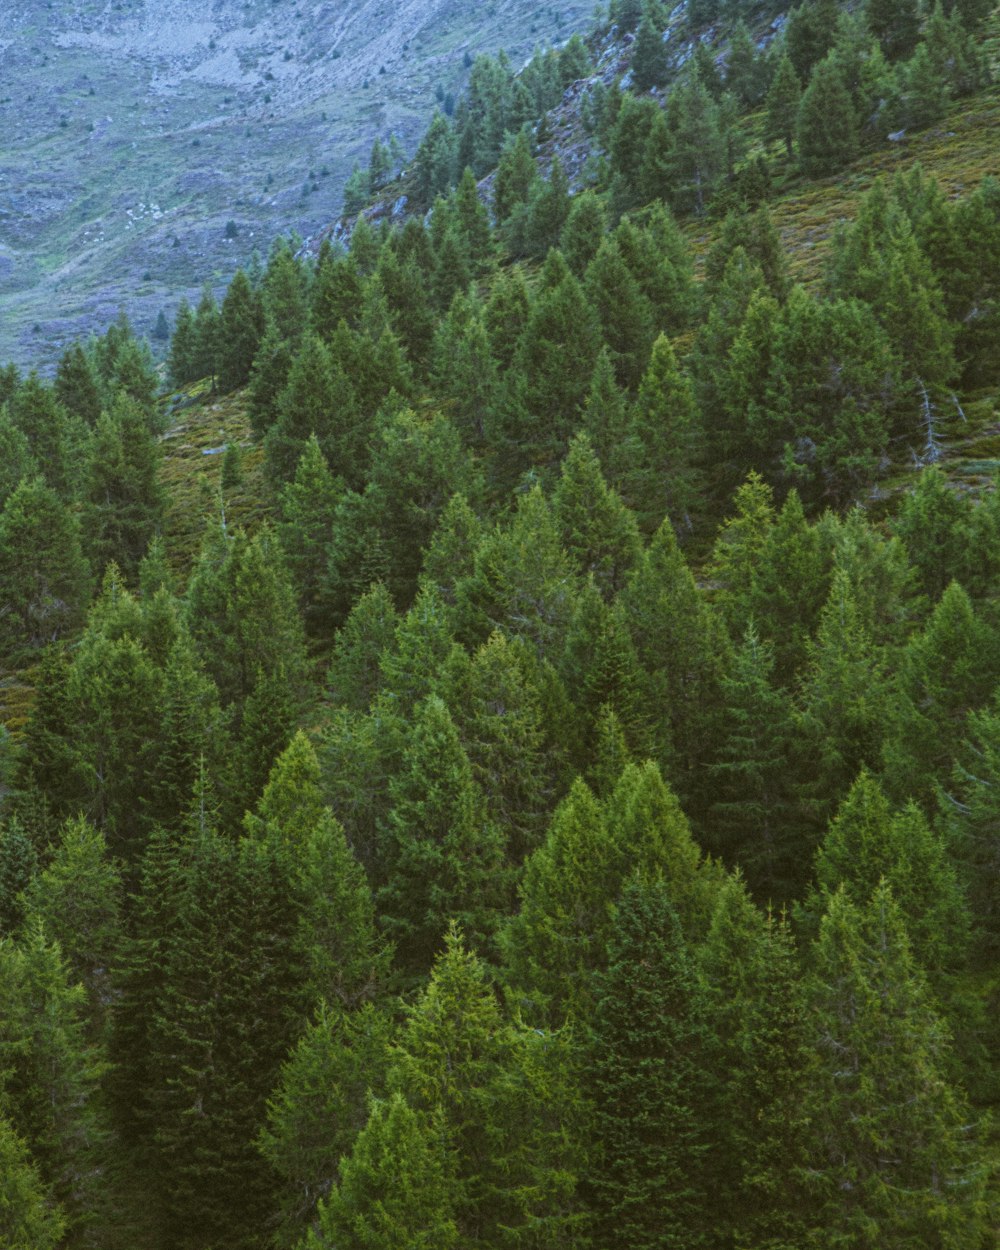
(149, 147)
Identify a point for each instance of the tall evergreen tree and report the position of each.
(896, 1158)
(646, 1070)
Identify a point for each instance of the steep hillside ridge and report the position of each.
(150, 148)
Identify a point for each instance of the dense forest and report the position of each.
(562, 807)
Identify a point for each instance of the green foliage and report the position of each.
(645, 1070)
(445, 857)
(826, 128)
(893, 1129)
(28, 1221)
(44, 577)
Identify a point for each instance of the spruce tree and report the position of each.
(758, 1072)
(305, 531)
(826, 128)
(44, 577)
(241, 327)
(895, 1160)
(782, 104)
(446, 858)
(649, 53)
(753, 819)
(28, 1218)
(396, 1190)
(646, 1065)
(597, 530)
(124, 502)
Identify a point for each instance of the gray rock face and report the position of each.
(134, 132)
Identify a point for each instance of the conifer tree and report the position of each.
(241, 327)
(396, 1190)
(782, 104)
(16, 459)
(308, 506)
(515, 177)
(77, 900)
(51, 1072)
(624, 313)
(18, 864)
(583, 232)
(76, 386)
(35, 411)
(44, 577)
(500, 717)
(868, 843)
(123, 497)
(356, 674)
(319, 1107)
(645, 1069)
(556, 941)
(699, 156)
(445, 857)
(659, 477)
(753, 820)
(598, 532)
(844, 699)
(790, 586)
(896, 1159)
(605, 417)
(896, 25)
(944, 673)
(758, 1070)
(826, 128)
(28, 1219)
(649, 54)
(684, 654)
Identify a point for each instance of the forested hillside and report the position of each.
(503, 749)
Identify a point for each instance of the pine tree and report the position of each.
(28, 1218)
(36, 413)
(18, 864)
(645, 1070)
(661, 449)
(826, 128)
(896, 25)
(597, 530)
(699, 156)
(782, 104)
(446, 858)
(896, 1159)
(320, 1106)
(753, 820)
(583, 232)
(396, 1190)
(684, 654)
(77, 900)
(605, 416)
(758, 1072)
(123, 497)
(241, 327)
(844, 699)
(625, 315)
(76, 386)
(500, 718)
(305, 531)
(206, 338)
(649, 53)
(944, 673)
(555, 943)
(44, 577)
(515, 177)
(867, 844)
(51, 1072)
(790, 586)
